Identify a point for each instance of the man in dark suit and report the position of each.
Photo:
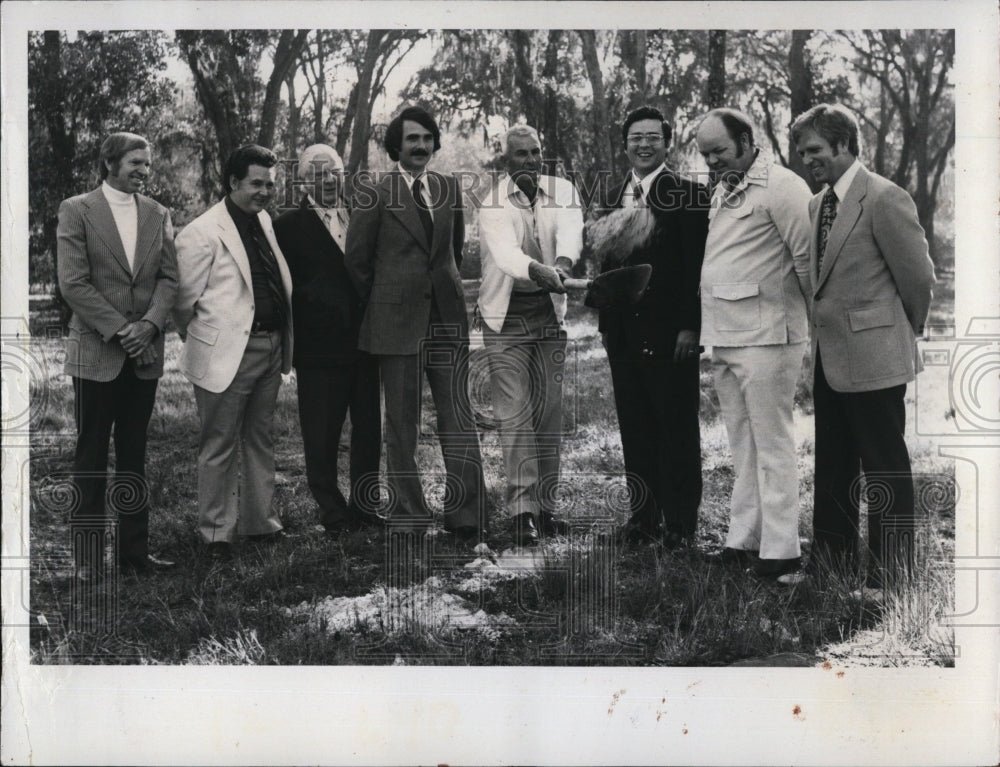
(404, 245)
(653, 346)
(872, 282)
(333, 376)
(118, 273)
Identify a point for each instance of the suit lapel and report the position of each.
(406, 209)
(230, 237)
(848, 214)
(311, 219)
(100, 216)
(148, 228)
(442, 212)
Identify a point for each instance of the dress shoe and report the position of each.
(729, 557)
(773, 568)
(148, 564)
(219, 551)
(549, 524)
(268, 538)
(525, 531)
(673, 540)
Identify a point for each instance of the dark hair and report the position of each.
(831, 121)
(240, 160)
(393, 140)
(646, 113)
(736, 123)
(115, 147)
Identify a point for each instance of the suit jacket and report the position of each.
(215, 308)
(670, 303)
(396, 270)
(104, 293)
(325, 305)
(874, 292)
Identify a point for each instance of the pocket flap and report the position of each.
(386, 294)
(734, 291)
(872, 317)
(204, 333)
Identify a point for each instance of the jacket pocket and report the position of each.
(876, 349)
(737, 307)
(203, 332)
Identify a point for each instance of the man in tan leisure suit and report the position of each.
(234, 314)
(118, 274)
(404, 244)
(871, 278)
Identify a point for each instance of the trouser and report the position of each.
(526, 363)
(756, 388)
(121, 407)
(325, 397)
(860, 434)
(657, 401)
(236, 424)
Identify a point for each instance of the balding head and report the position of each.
(320, 165)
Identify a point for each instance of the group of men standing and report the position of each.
(372, 301)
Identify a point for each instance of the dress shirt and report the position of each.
(424, 191)
(126, 214)
(643, 185)
(842, 184)
(266, 313)
(334, 219)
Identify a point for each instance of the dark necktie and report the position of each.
(270, 263)
(425, 215)
(828, 212)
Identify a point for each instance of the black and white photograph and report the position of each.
(500, 383)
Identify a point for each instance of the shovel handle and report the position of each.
(576, 283)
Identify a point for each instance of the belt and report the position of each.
(529, 293)
(262, 327)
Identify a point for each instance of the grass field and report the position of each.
(575, 600)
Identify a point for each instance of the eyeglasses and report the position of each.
(650, 138)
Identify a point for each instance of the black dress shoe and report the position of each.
(219, 551)
(674, 540)
(740, 558)
(147, 565)
(772, 568)
(549, 524)
(272, 537)
(525, 531)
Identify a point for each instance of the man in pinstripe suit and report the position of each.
(118, 273)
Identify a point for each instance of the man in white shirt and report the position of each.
(118, 273)
(754, 293)
(332, 375)
(531, 234)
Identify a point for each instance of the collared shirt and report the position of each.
(842, 184)
(334, 219)
(126, 215)
(755, 276)
(642, 185)
(424, 191)
(265, 312)
(556, 218)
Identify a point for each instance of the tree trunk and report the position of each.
(344, 130)
(362, 117)
(292, 145)
(800, 81)
(289, 46)
(715, 89)
(603, 149)
(524, 76)
(633, 46)
(551, 126)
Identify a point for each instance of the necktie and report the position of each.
(635, 195)
(828, 212)
(274, 285)
(425, 216)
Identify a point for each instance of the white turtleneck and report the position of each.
(126, 214)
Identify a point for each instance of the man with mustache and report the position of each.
(234, 315)
(871, 279)
(653, 346)
(531, 234)
(754, 293)
(404, 245)
(333, 376)
(118, 273)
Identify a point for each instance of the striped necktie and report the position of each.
(828, 212)
(270, 263)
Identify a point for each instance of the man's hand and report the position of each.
(564, 268)
(146, 357)
(137, 336)
(687, 345)
(545, 277)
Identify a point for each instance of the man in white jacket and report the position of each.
(531, 234)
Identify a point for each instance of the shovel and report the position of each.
(616, 287)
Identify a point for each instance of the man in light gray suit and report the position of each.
(118, 273)
(871, 290)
